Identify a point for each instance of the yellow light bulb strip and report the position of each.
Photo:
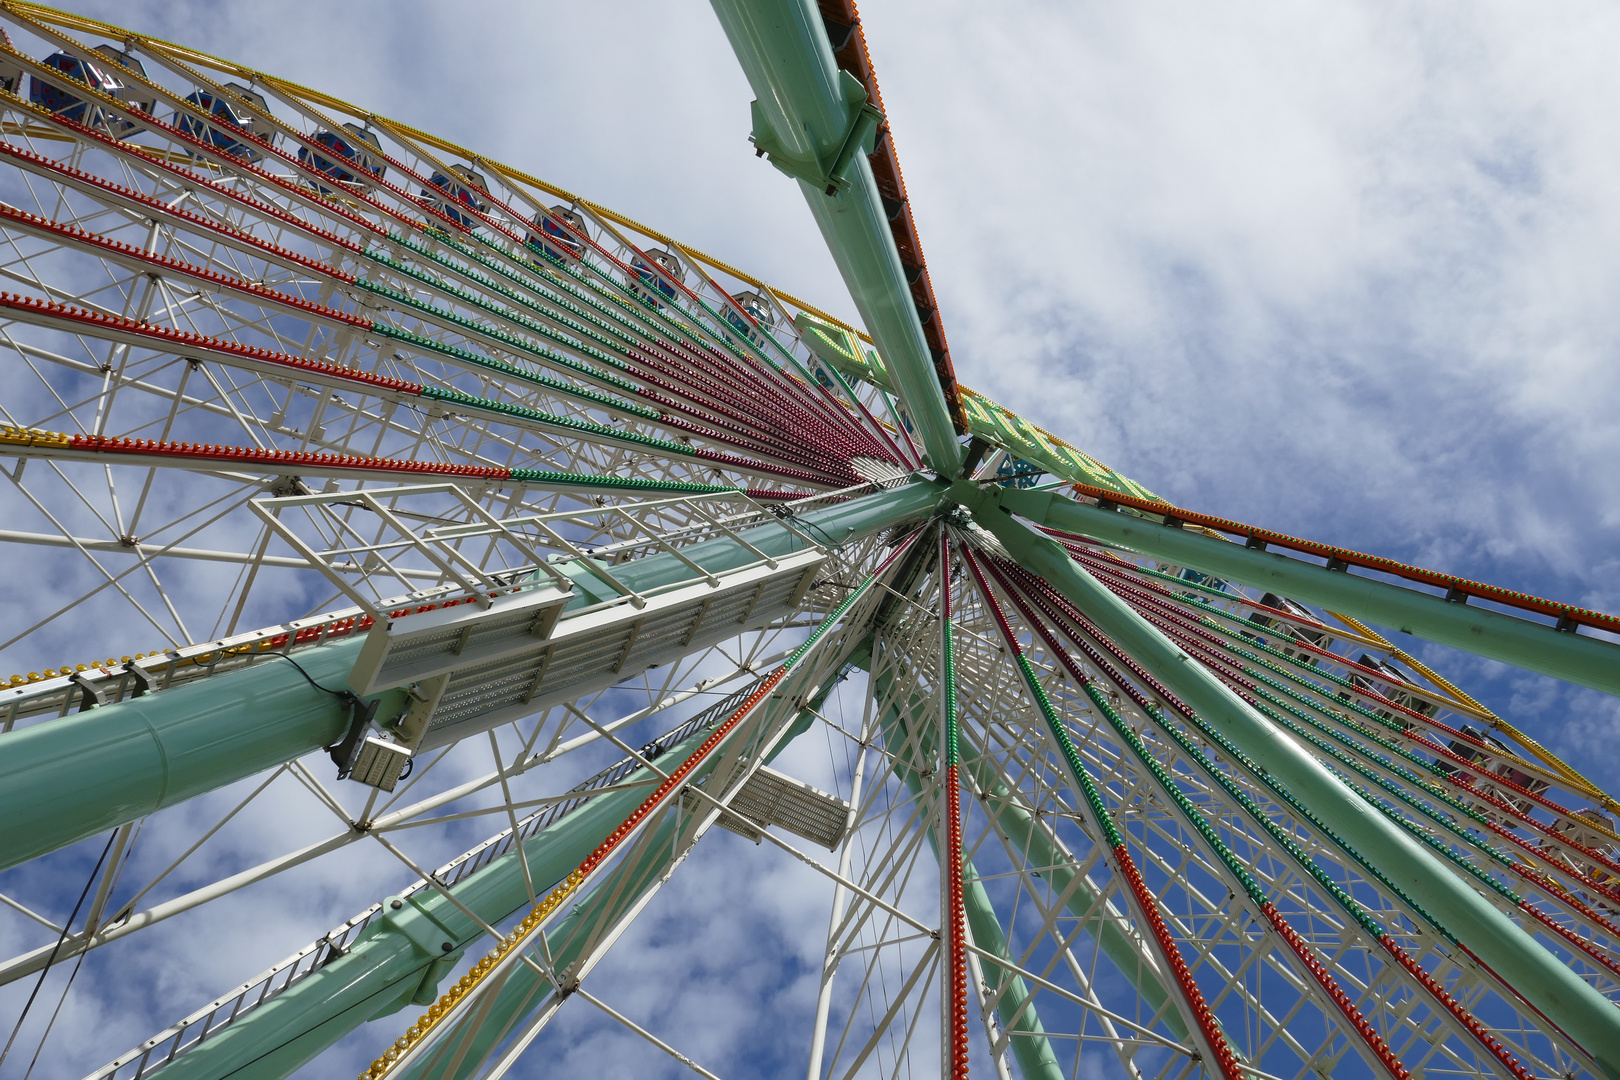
(1552, 761)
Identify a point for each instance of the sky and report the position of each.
(1345, 270)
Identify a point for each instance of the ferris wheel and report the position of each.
(399, 513)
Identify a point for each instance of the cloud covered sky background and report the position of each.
(1344, 270)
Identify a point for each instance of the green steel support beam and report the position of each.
(1512, 640)
(67, 779)
(1027, 1035)
(393, 965)
(809, 117)
(1031, 836)
(393, 962)
(524, 990)
(1029, 1043)
(64, 780)
(1551, 987)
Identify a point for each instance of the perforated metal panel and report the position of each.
(773, 798)
(421, 645)
(596, 649)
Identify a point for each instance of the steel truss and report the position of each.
(337, 416)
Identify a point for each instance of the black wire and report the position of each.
(346, 695)
(74, 974)
(51, 959)
(114, 873)
(355, 703)
(787, 514)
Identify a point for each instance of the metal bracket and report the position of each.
(344, 752)
(145, 683)
(860, 133)
(412, 724)
(90, 695)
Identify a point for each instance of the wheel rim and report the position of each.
(350, 394)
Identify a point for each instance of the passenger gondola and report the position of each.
(232, 116)
(61, 98)
(464, 187)
(657, 278)
(758, 309)
(352, 157)
(556, 237)
(134, 94)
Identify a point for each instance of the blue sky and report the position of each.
(1343, 270)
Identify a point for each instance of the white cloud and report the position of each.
(1343, 270)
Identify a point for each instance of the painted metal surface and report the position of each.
(524, 990)
(1558, 992)
(392, 964)
(1533, 646)
(483, 314)
(805, 106)
(847, 39)
(71, 778)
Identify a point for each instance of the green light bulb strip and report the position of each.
(1305, 861)
(510, 370)
(1472, 840)
(485, 329)
(541, 476)
(423, 251)
(467, 356)
(584, 427)
(1071, 755)
(524, 321)
(619, 295)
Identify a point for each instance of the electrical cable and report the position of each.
(346, 695)
(74, 974)
(115, 873)
(787, 514)
(354, 701)
(51, 959)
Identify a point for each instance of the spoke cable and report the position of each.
(61, 938)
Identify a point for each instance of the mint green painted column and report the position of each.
(1533, 646)
(524, 990)
(1026, 834)
(1030, 1046)
(64, 780)
(1589, 1018)
(1027, 1039)
(805, 114)
(67, 779)
(385, 969)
